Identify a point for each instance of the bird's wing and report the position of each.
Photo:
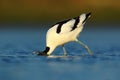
(67, 25)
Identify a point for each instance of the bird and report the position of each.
(63, 32)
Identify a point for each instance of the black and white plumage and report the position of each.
(64, 32)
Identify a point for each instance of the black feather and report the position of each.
(76, 23)
(60, 25)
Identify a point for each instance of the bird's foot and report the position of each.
(65, 54)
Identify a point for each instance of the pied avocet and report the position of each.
(64, 32)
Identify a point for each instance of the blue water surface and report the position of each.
(17, 61)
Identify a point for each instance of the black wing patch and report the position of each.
(63, 22)
(60, 25)
(76, 23)
(87, 15)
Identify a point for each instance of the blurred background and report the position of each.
(50, 11)
(23, 27)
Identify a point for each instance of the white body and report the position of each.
(54, 39)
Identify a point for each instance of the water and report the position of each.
(17, 61)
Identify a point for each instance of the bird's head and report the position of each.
(84, 17)
(42, 53)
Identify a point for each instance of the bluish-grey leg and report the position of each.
(64, 50)
(85, 46)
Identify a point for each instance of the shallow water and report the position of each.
(17, 61)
